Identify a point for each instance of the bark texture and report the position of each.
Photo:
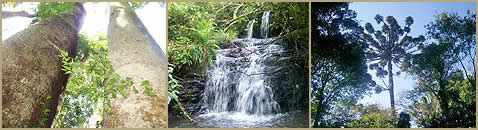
(134, 53)
(32, 68)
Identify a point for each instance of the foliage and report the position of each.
(92, 84)
(447, 99)
(388, 46)
(373, 117)
(445, 95)
(460, 32)
(192, 34)
(84, 92)
(462, 109)
(42, 120)
(339, 71)
(197, 29)
(173, 85)
(137, 5)
(51, 9)
(339, 115)
(12, 4)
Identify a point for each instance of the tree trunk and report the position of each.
(318, 115)
(390, 82)
(32, 68)
(133, 53)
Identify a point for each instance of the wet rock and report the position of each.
(190, 96)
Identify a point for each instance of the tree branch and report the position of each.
(185, 113)
(9, 14)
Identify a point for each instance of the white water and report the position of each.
(250, 28)
(265, 24)
(237, 88)
(238, 83)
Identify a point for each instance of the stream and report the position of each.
(239, 90)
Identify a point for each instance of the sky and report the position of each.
(153, 16)
(422, 13)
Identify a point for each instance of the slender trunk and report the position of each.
(443, 96)
(390, 88)
(32, 69)
(320, 106)
(134, 53)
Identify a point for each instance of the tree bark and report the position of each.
(318, 115)
(32, 68)
(134, 53)
(390, 83)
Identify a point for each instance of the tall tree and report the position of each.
(389, 46)
(443, 97)
(460, 32)
(32, 76)
(339, 72)
(134, 53)
(441, 86)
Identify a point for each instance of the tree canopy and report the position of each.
(339, 70)
(441, 61)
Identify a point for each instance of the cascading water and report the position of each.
(239, 87)
(236, 80)
(265, 24)
(250, 28)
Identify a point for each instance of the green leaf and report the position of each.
(46, 111)
(135, 90)
(122, 92)
(145, 83)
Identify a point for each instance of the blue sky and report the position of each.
(422, 13)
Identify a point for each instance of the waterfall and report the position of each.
(265, 24)
(250, 28)
(237, 80)
(246, 83)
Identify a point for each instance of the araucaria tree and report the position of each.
(390, 46)
(339, 70)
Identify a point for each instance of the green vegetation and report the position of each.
(197, 29)
(444, 94)
(12, 4)
(45, 114)
(339, 72)
(92, 81)
(45, 10)
(373, 117)
(91, 84)
(391, 45)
